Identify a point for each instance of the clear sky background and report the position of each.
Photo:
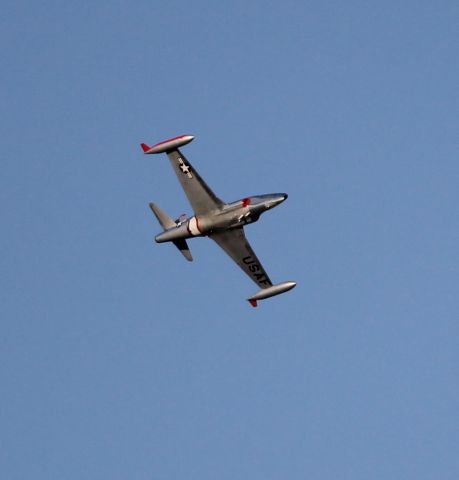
(119, 359)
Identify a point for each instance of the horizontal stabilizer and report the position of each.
(164, 220)
(271, 292)
(183, 247)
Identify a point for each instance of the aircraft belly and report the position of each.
(224, 220)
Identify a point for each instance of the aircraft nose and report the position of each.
(279, 198)
(282, 197)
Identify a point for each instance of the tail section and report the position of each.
(184, 249)
(166, 222)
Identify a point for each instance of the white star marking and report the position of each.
(185, 168)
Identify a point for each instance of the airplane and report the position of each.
(222, 222)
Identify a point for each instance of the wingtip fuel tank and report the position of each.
(271, 292)
(167, 145)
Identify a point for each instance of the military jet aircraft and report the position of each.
(213, 218)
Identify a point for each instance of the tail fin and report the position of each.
(166, 222)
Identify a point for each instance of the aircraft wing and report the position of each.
(202, 199)
(234, 243)
(200, 196)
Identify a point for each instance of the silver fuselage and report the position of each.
(230, 215)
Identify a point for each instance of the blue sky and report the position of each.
(119, 359)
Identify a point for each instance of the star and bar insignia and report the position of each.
(185, 168)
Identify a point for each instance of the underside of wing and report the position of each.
(200, 196)
(202, 199)
(234, 243)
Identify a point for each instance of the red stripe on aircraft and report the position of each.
(170, 140)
